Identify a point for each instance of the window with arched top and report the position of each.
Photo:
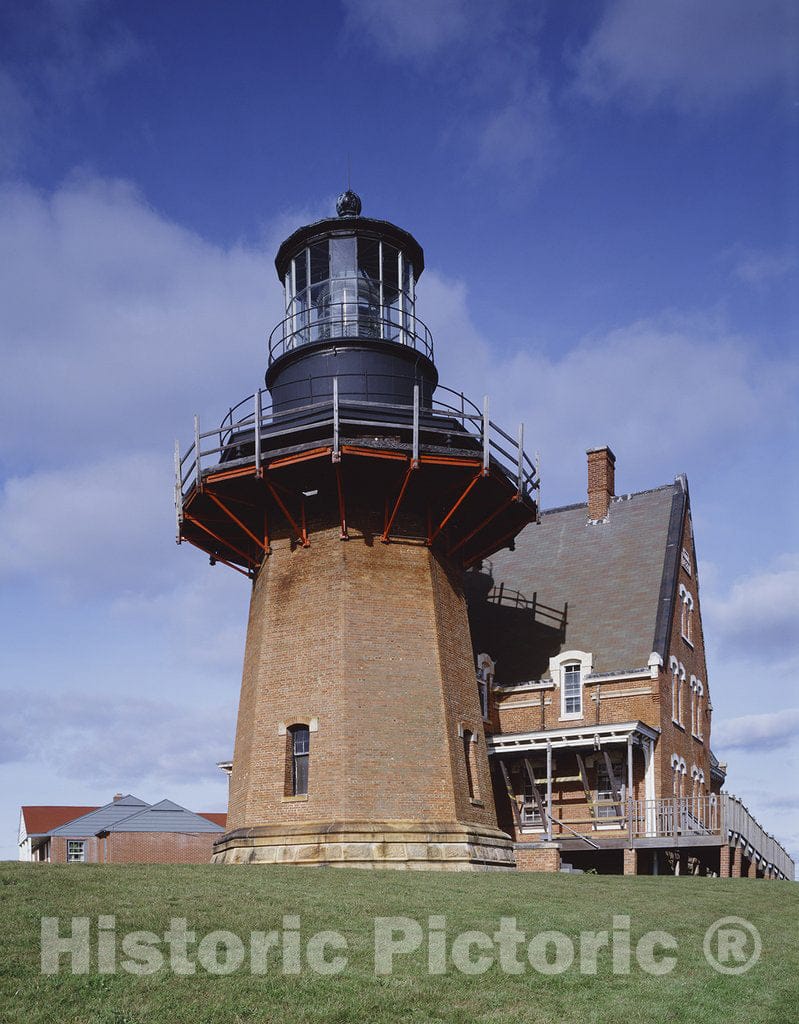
(699, 692)
(686, 615)
(569, 671)
(572, 689)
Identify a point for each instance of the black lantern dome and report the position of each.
(350, 299)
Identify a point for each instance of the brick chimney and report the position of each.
(601, 481)
(118, 796)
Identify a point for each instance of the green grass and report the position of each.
(255, 899)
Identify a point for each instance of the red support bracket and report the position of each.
(224, 543)
(236, 520)
(493, 547)
(216, 558)
(481, 526)
(432, 536)
(390, 521)
(300, 531)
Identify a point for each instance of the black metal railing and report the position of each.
(349, 320)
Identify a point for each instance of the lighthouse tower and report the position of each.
(353, 491)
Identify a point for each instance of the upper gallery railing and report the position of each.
(450, 420)
(349, 320)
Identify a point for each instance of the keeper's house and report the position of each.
(593, 684)
(126, 830)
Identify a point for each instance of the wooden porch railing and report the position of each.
(724, 816)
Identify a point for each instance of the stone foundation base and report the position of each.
(404, 845)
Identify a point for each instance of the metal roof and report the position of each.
(575, 736)
(165, 816)
(101, 819)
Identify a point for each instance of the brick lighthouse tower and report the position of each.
(353, 492)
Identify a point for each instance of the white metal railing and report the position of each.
(450, 419)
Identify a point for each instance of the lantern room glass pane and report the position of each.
(320, 262)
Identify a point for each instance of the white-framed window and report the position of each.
(76, 851)
(685, 559)
(572, 699)
(679, 772)
(697, 693)
(686, 615)
(485, 682)
(677, 686)
(531, 816)
(604, 792)
(698, 780)
(569, 671)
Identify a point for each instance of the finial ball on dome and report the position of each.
(348, 204)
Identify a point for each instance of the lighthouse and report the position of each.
(353, 491)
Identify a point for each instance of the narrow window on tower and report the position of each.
(299, 742)
(469, 761)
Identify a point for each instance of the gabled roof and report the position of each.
(102, 818)
(165, 816)
(39, 820)
(617, 578)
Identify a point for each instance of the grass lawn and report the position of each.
(243, 900)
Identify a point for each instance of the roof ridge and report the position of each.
(615, 498)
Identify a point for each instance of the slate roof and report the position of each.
(41, 819)
(165, 816)
(616, 576)
(101, 819)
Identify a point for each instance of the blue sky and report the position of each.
(607, 198)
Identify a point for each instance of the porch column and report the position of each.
(549, 785)
(724, 861)
(649, 787)
(630, 862)
(736, 862)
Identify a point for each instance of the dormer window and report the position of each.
(572, 690)
(569, 670)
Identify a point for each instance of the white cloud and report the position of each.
(759, 615)
(116, 741)
(499, 109)
(693, 55)
(628, 388)
(93, 526)
(118, 325)
(756, 732)
(410, 30)
(759, 268)
(61, 53)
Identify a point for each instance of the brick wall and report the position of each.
(370, 640)
(142, 848)
(674, 739)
